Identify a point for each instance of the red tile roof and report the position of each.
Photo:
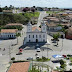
(9, 30)
(19, 67)
(35, 27)
(11, 24)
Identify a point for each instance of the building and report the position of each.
(13, 24)
(8, 33)
(53, 26)
(68, 34)
(36, 34)
(19, 67)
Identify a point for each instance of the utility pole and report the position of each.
(47, 51)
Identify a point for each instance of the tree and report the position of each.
(56, 36)
(49, 9)
(62, 63)
(17, 35)
(0, 9)
(13, 58)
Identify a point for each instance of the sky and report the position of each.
(40, 3)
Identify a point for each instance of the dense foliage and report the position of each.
(13, 18)
(22, 18)
(14, 27)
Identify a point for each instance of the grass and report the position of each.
(31, 14)
(53, 12)
(42, 60)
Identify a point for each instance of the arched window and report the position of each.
(33, 36)
(36, 36)
(29, 40)
(29, 36)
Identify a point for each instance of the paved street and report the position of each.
(41, 16)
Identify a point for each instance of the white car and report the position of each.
(38, 50)
(37, 57)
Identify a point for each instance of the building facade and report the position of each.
(8, 33)
(36, 34)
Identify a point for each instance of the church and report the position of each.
(36, 34)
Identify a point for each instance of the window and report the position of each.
(43, 40)
(29, 40)
(29, 36)
(43, 36)
(33, 36)
(36, 36)
(39, 36)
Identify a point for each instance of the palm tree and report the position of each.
(17, 35)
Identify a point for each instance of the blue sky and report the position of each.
(41, 3)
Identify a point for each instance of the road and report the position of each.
(41, 16)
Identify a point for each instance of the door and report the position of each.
(36, 40)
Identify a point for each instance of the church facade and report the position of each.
(36, 34)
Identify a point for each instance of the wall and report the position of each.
(34, 39)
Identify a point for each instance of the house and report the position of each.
(68, 34)
(36, 34)
(8, 33)
(19, 67)
(14, 24)
(53, 26)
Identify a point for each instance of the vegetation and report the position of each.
(13, 58)
(14, 27)
(43, 59)
(56, 36)
(34, 70)
(40, 26)
(30, 14)
(62, 63)
(70, 64)
(22, 18)
(13, 18)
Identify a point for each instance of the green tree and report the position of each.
(56, 36)
(62, 63)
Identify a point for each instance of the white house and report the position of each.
(36, 34)
(8, 33)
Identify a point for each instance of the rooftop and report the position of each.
(51, 24)
(9, 30)
(19, 67)
(12, 24)
(35, 27)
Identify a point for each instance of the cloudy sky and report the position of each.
(41, 3)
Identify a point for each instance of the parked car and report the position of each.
(54, 41)
(37, 57)
(64, 55)
(38, 50)
(19, 53)
(29, 58)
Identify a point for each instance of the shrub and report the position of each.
(13, 58)
(70, 64)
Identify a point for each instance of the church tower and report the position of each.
(43, 27)
(29, 27)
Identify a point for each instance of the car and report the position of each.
(29, 58)
(19, 53)
(38, 50)
(64, 55)
(37, 57)
(54, 41)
